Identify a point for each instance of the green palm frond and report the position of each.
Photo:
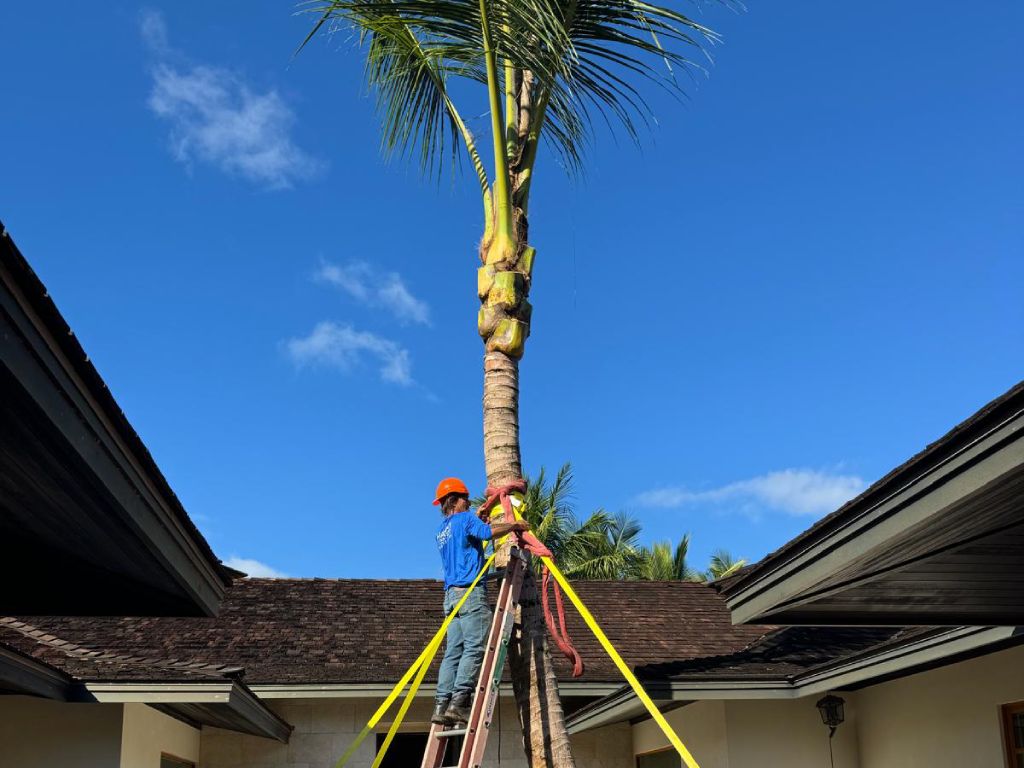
(588, 60)
(723, 564)
(615, 48)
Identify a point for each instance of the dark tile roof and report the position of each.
(368, 631)
(101, 665)
(784, 653)
(933, 455)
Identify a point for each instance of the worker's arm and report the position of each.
(500, 529)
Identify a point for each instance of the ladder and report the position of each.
(477, 729)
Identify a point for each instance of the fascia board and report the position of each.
(161, 693)
(228, 694)
(264, 721)
(984, 460)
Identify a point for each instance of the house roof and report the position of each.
(795, 662)
(42, 664)
(936, 541)
(781, 654)
(320, 631)
(91, 523)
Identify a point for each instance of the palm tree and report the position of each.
(660, 563)
(723, 564)
(603, 546)
(547, 69)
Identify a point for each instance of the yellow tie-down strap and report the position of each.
(627, 673)
(419, 669)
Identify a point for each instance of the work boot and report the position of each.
(458, 709)
(440, 707)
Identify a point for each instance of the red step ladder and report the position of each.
(478, 727)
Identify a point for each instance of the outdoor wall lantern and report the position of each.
(831, 709)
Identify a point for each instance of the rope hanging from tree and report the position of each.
(533, 545)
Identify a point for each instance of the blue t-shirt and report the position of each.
(459, 540)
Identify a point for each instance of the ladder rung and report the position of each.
(455, 732)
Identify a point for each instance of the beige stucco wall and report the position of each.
(701, 726)
(147, 733)
(767, 733)
(324, 728)
(943, 718)
(788, 734)
(36, 733)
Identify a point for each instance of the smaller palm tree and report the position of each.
(603, 546)
(659, 563)
(606, 546)
(723, 564)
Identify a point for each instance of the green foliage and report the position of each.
(585, 59)
(606, 546)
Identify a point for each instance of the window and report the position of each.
(1013, 729)
(663, 758)
(170, 761)
(408, 748)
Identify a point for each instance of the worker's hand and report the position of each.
(520, 525)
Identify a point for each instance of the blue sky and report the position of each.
(811, 269)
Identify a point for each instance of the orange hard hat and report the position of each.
(450, 485)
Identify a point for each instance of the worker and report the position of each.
(460, 540)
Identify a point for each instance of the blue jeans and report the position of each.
(466, 639)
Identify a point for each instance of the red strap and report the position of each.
(535, 546)
(560, 633)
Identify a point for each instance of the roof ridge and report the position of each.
(74, 650)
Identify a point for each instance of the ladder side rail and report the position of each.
(478, 728)
(433, 755)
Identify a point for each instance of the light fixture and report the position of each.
(831, 709)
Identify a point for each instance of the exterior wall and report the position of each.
(941, 718)
(147, 734)
(700, 725)
(324, 728)
(37, 733)
(789, 734)
(766, 733)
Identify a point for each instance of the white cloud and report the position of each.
(344, 347)
(216, 118)
(254, 568)
(387, 290)
(153, 30)
(793, 491)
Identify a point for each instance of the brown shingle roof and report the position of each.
(100, 665)
(784, 653)
(361, 631)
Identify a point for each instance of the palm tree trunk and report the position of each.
(545, 738)
(504, 325)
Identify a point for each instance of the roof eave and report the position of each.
(45, 358)
(20, 673)
(886, 663)
(225, 704)
(777, 587)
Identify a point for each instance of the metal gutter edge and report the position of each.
(366, 690)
